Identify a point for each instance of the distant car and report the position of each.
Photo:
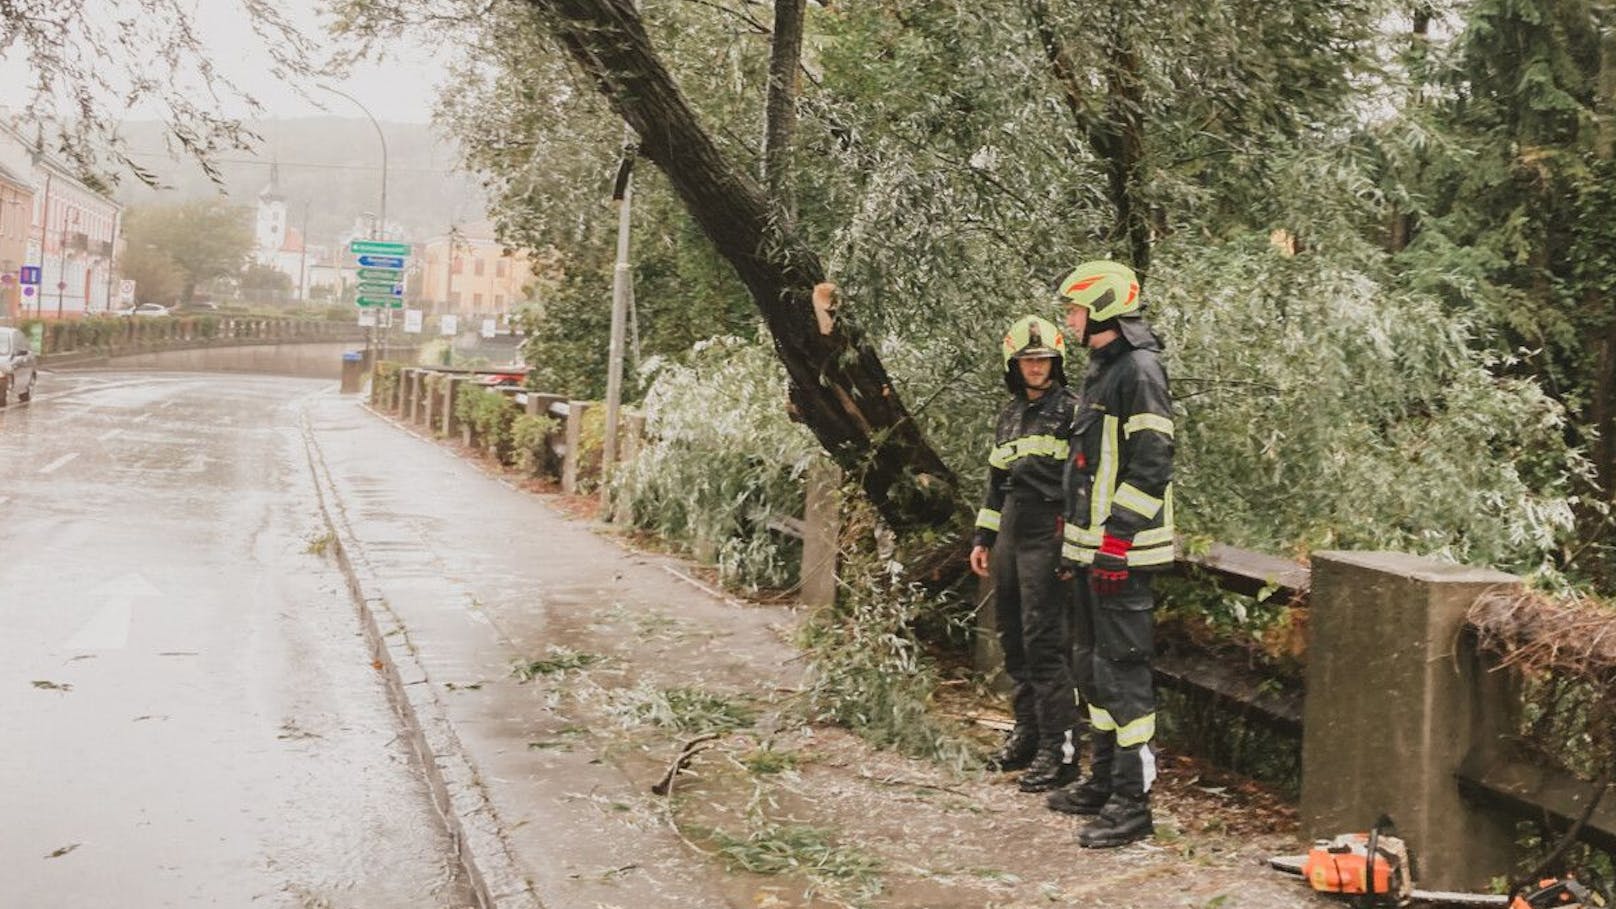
(145, 309)
(18, 366)
(201, 306)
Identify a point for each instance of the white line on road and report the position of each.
(55, 465)
(142, 418)
(108, 434)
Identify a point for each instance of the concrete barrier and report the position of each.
(1396, 699)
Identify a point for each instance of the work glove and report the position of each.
(1110, 569)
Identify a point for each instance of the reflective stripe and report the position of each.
(1105, 475)
(1136, 500)
(1076, 554)
(1155, 555)
(1028, 446)
(1140, 421)
(1100, 719)
(1137, 732)
(1081, 536)
(1154, 536)
(987, 519)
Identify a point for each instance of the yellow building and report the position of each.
(469, 273)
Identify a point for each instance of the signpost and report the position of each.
(448, 325)
(412, 321)
(381, 261)
(389, 275)
(378, 248)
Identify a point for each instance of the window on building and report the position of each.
(457, 298)
(457, 265)
(501, 268)
(477, 300)
(480, 266)
(499, 301)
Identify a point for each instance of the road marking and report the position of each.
(53, 466)
(108, 630)
(108, 434)
(142, 418)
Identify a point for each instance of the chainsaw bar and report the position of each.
(1292, 864)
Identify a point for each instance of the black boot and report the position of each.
(1085, 798)
(1123, 820)
(1052, 768)
(1017, 751)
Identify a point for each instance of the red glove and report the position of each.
(1110, 569)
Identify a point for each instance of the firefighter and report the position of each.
(1118, 533)
(1018, 535)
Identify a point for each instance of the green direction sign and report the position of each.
(378, 248)
(380, 290)
(387, 275)
(367, 300)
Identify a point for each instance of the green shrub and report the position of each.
(489, 415)
(530, 443)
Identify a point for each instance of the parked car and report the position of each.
(197, 306)
(145, 309)
(18, 366)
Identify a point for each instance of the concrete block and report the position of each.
(1395, 701)
(822, 527)
(632, 432)
(569, 462)
(451, 396)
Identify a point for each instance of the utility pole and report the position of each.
(623, 195)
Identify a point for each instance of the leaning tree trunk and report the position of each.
(839, 388)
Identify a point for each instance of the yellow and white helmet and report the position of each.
(1107, 289)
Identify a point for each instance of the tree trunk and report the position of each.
(839, 387)
(1117, 135)
(780, 113)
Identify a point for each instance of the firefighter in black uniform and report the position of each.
(1119, 531)
(1018, 534)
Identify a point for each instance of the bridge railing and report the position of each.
(1406, 712)
(67, 341)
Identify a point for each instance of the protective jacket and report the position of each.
(1119, 477)
(1030, 448)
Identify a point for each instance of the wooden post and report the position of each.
(569, 463)
(1395, 701)
(822, 527)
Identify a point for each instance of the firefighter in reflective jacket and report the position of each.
(1119, 530)
(1018, 531)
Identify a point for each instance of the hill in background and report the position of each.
(329, 167)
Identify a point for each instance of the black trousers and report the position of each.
(1114, 642)
(1033, 612)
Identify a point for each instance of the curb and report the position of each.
(495, 878)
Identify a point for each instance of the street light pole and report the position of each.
(377, 231)
(381, 225)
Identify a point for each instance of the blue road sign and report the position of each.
(382, 261)
(29, 274)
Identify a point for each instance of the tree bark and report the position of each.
(780, 113)
(839, 387)
(1117, 134)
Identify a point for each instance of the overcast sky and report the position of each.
(400, 88)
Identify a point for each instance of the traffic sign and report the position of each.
(368, 300)
(382, 261)
(389, 275)
(378, 248)
(371, 290)
(29, 274)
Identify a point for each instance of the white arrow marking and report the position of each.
(108, 629)
(53, 466)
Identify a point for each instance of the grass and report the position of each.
(771, 848)
(558, 660)
(320, 544)
(767, 761)
(688, 710)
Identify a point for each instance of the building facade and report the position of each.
(469, 273)
(72, 235)
(16, 215)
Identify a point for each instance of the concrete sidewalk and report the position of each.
(546, 781)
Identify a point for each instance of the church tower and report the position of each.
(271, 228)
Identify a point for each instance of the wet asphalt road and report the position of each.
(188, 712)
